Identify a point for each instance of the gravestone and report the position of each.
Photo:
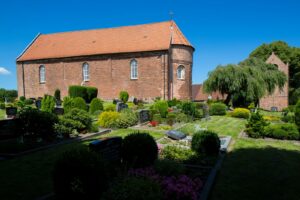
(11, 112)
(176, 135)
(109, 148)
(120, 106)
(274, 109)
(144, 116)
(38, 104)
(58, 111)
(135, 101)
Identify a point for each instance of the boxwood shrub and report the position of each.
(96, 105)
(85, 92)
(79, 174)
(205, 142)
(79, 103)
(124, 96)
(126, 119)
(139, 150)
(241, 113)
(217, 109)
(282, 131)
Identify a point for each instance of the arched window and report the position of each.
(133, 69)
(42, 74)
(180, 72)
(86, 72)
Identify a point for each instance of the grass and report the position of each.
(222, 125)
(2, 114)
(124, 132)
(269, 113)
(259, 169)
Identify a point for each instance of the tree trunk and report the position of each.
(227, 100)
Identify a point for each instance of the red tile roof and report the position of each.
(147, 37)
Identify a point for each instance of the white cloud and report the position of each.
(4, 71)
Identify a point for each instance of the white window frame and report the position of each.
(181, 72)
(85, 71)
(42, 74)
(133, 69)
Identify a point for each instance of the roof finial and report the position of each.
(171, 15)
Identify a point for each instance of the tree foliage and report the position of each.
(248, 81)
(287, 54)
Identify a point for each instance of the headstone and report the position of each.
(11, 112)
(135, 101)
(120, 106)
(109, 148)
(131, 98)
(58, 111)
(274, 109)
(38, 104)
(176, 135)
(144, 116)
(58, 102)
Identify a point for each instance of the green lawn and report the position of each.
(259, 169)
(269, 113)
(2, 114)
(29, 177)
(222, 125)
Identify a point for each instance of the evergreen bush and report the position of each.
(241, 113)
(79, 102)
(162, 107)
(96, 105)
(108, 119)
(123, 96)
(206, 142)
(48, 103)
(217, 109)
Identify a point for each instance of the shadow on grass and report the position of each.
(259, 173)
(30, 176)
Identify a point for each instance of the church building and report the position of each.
(148, 61)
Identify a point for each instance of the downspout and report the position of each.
(164, 57)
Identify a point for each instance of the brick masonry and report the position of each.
(279, 98)
(111, 74)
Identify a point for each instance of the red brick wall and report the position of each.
(279, 98)
(181, 88)
(110, 74)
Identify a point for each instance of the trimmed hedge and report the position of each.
(217, 109)
(124, 96)
(85, 92)
(282, 131)
(79, 102)
(96, 105)
(240, 113)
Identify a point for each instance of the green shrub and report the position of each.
(108, 119)
(171, 119)
(37, 123)
(2, 105)
(217, 109)
(28, 101)
(79, 103)
(297, 114)
(182, 118)
(176, 153)
(162, 107)
(139, 150)
(22, 98)
(200, 105)
(123, 96)
(66, 126)
(79, 174)
(241, 113)
(206, 142)
(168, 167)
(256, 125)
(57, 94)
(173, 102)
(189, 108)
(77, 91)
(110, 107)
(48, 103)
(67, 104)
(288, 117)
(92, 92)
(157, 118)
(96, 105)
(282, 131)
(126, 119)
(132, 188)
(80, 116)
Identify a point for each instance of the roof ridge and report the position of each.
(97, 29)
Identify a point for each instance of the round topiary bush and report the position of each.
(124, 96)
(217, 109)
(108, 119)
(79, 174)
(96, 105)
(131, 188)
(139, 150)
(79, 102)
(241, 113)
(206, 142)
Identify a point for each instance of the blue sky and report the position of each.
(221, 31)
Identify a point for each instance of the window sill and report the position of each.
(133, 78)
(181, 79)
(43, 82)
